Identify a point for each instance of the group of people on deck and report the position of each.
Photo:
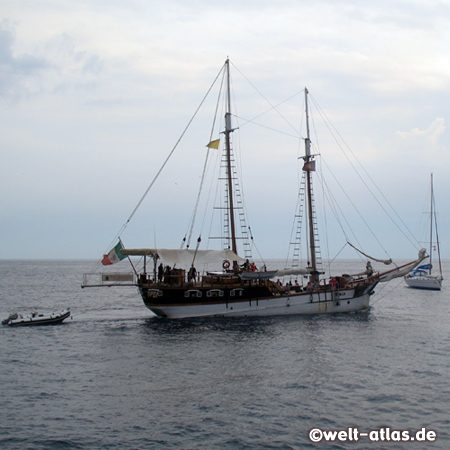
(310, 287)
(289, 286)
(248, 266)
(165, 273)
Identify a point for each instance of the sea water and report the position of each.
(116, 377)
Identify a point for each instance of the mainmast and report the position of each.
(431, 226)
(309, 167)
(228, 131)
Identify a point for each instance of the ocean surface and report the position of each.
(115, 377)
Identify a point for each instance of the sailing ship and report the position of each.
(172, 288)
(422, 277)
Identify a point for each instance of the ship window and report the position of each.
(236, 292)
(192, 293)
(153, 293)
(215, 293)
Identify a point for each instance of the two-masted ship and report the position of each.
(171, 287)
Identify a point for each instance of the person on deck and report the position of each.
(160, 273)
(333, 283)
(245, 266)
(167, 274)
(192, 274)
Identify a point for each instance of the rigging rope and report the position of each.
(124, 226)
(273, 107)
(194, 214)
(254, 245)
(329, 125)
(335, 205)
(168, 157)
(384, 287)
(354, 206)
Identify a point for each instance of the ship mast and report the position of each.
(308, 167)
(431, 226)
(228, 131)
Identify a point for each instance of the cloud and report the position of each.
(56, 66)
(423, 139)
(96, 89)
(18, 74)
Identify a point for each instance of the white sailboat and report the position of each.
(171, 288)
(422, 277)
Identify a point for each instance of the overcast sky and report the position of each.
(95, 94)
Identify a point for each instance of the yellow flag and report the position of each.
(310, 166)
(214, 144)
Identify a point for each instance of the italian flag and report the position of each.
(114, 256)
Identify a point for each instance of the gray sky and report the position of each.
(94, 96)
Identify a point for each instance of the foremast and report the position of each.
(308, 167)
(227, 132)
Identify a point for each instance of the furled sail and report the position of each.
(284, 272)
(384, 261)
(186, 256)
(405, 269)
(266, 275)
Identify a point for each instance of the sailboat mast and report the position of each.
(431, 226)
(228, 131)
(437, 236)
(308, 167)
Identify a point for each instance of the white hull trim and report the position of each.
(307, 304)
(425, 282)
